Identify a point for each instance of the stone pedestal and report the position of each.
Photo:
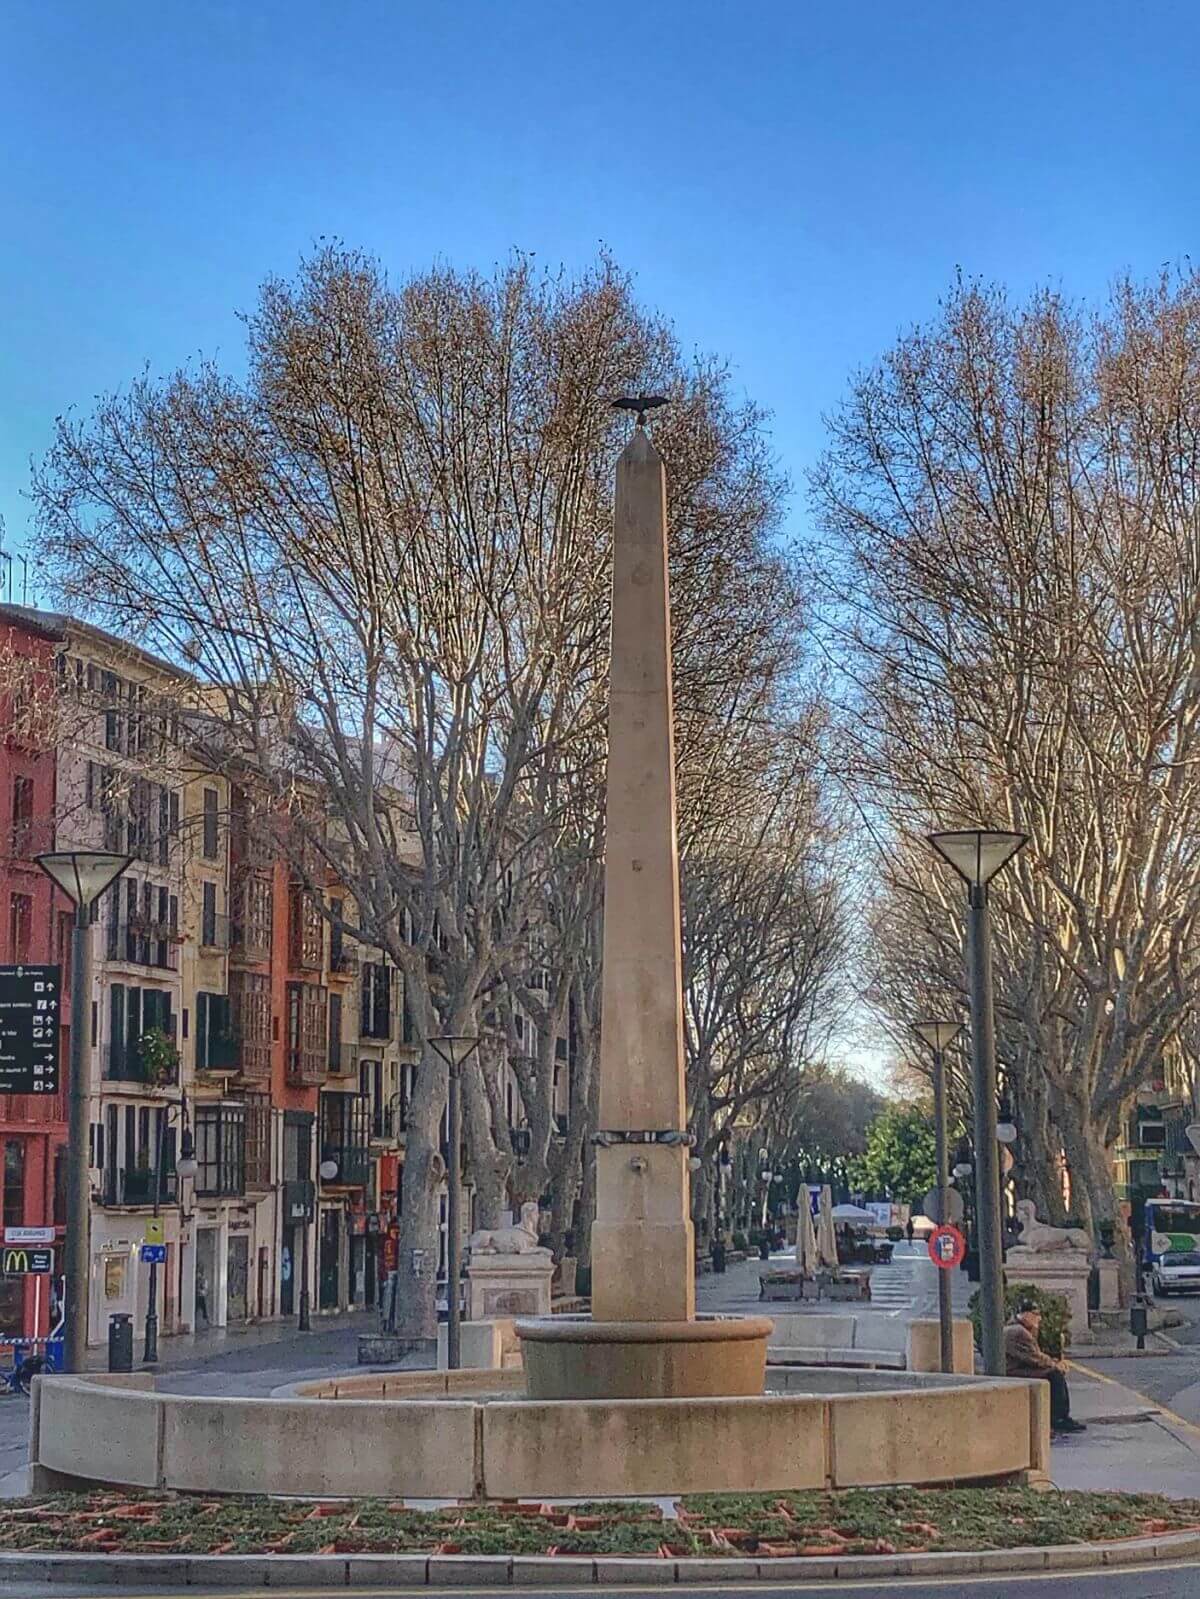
(1110, 1284)
(483, 1345)
(925, 1346)
(1062, 1271)
(509, 1285)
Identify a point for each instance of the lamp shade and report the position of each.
(938, 1035)
(977, 854)
(327, 1170)
(83, 874)
(185, 1166)
(455, 1048)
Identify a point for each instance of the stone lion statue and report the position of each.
(1042, 1239)
(522, 1240)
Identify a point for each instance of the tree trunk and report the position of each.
(1093, 1190)
(421, 1180)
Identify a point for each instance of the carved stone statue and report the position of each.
(1039, 1238)
(522, 1240)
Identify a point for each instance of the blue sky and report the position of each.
(791, 183)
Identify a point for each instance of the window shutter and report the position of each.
(116, 1031)
(202, 1000)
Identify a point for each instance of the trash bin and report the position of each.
(120, 1342)
(718, 1256)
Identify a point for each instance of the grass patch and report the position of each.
(850, 1521)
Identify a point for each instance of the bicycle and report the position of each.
(18, 1379)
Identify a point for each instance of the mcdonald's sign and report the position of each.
(18, 1261)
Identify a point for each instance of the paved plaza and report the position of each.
(1143, 1413)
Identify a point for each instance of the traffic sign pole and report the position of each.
(78, 1245)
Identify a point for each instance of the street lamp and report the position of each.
(185, 1166)
(939, 1036)
(83, 875)
(456, 1050)
(977, 854)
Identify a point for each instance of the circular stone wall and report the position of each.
(460, 1435)
(712, 1358)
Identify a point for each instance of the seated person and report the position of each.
(1025, 1357)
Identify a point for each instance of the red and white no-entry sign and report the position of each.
(947, 1246)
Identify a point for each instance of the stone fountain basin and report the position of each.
(574, 1357)
(475, 1436)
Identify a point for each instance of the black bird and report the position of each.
(641, 403)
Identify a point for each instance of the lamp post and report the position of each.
(185, 1166)
(939, 1036)
(83, 875)
(455, 1049)
(977, 854)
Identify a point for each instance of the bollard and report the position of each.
(120, 1343)
(1137, 1322)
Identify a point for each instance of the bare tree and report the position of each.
(1009, 499)
(384, 557)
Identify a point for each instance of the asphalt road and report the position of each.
(1136, 1582)
(1170, 1379)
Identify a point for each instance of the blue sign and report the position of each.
(154, 1254)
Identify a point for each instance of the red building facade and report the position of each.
(35, 927)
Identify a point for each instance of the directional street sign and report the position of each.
(154, 1254)
(29, 1030)
(18, 1261)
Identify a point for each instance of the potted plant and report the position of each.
(159, 1057)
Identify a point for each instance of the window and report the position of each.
(307, 1035)
(20, 927)
(376, 1020)
(220, 1134)
(14, 1182)
(335, 1032)
(250, 1015)
(208, 915)
(297, 1146)
(133, 1012)
(22, 817)
(216, 1048)
(209, 844)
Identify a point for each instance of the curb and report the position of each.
(506, 1571)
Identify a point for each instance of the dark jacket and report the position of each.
(1023, 1356)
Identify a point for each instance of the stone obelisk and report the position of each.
(643, 1266)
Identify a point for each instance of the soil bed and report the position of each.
(851, 1521)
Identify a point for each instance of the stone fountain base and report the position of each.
(575, 1358)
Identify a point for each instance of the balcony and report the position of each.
(140, 943)
(344, 1137)
(251, 918)
(306, 1068)
(343, 962)
(134, 1186)
(353, 1162)
(223, 1054)
(129, 1066)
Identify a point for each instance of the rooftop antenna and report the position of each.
(641, 403)
(24, 560)
(5, 568)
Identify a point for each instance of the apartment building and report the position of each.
(35, 927)
(230, 1004)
